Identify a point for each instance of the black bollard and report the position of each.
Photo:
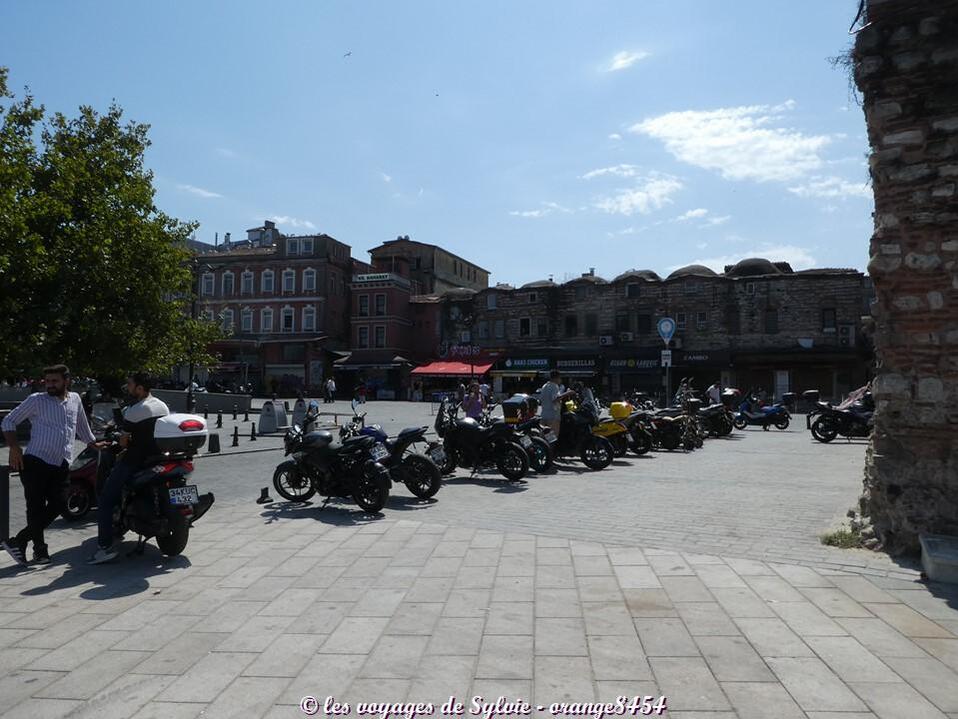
(4, 501)
(246, 416)
(219, 420)
(252, 431)
(214, 444)
(206, 412)
(235, 436)
(286, 405)
(234, 411)
(264, 497)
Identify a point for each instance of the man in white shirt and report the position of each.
(551, 399)
(714, 393)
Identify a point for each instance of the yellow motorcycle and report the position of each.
(610, 428)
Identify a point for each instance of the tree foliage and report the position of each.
(91, 272)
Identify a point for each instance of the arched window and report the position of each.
(287, 320)
(246, 283)
(228, 288)
(309, 280)
(266, 282)
(309, 319)
(266, 320)
(228, 320)
(246, 320)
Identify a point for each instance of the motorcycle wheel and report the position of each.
(641, 442)
(781, 423)
(620, 444)
(513, 463)
(451, 462)
(725, 427)
(174, 541)
(740, 423)
(670, 440)
(77, 502)
(597, 453)
(291, 485)
(540, 456)
(370, 495)
(421, 476)
(824, 430)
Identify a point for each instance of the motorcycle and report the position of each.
(855, 421)
(419, 472)
(520, 412)
(750, 415)
(319, 464)
(576, 438)
(716, 420)
(469, 444)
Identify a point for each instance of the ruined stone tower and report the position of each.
(906, 66)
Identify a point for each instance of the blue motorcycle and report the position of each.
(749, 414)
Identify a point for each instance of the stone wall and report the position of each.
(906, 66)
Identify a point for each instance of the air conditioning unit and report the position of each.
(625, 336)
(606, 341)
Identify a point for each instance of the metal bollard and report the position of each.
(219, 420)
(4, 502)
(214, 444)
(234, 411)
(246, 416)
(286, 405)
(206, 412)
(235, 436)
(252, 431)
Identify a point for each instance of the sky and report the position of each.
(536, 138)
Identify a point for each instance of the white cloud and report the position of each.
(831, 187)
(624, 60)
(386, 178)
(615, 136)
(741, 143)
(198, 191)
(798, 257)
(615, 171)
(226, 152)
(650, 193)
(547, 208)
(293, 222)
(701, 213)
(692, 214)
(715, 221)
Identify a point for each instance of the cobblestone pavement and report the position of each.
(270, 604)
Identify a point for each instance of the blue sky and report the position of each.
(533, 138)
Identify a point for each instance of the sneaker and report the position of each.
(41, 555)
(16, 550)
(103, 555)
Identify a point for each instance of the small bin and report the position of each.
(939, 557)
(620, 410)
(519, 407)
(180, 433)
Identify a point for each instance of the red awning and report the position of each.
(453, 369)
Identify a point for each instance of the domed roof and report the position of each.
(593, 279)
(752, 267)
(459, 293)
(537, 283)
(647, 275)
(693, 271)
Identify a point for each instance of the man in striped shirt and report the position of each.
(56, 419)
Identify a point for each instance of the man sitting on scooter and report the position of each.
(137, 439)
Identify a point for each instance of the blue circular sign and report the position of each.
(666, 327)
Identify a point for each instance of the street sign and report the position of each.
(666, 327)
(666, 358)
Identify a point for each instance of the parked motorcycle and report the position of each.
(749, 414)
(849, 423)
(576, 438)
(419, 472)
(717, 420)
(320, 464)
(519, 411)
(469, 444)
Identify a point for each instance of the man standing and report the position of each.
(56, 419)
(714, 393)
(551, 399)
(137, 438)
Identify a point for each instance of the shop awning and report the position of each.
(370, 360)
(452, 369)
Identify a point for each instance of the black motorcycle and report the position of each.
(856, 421)
(576, 439)
(320, 464)
(716, 419)
(534, 438)
(468, 444)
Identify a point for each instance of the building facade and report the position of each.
(432, 270)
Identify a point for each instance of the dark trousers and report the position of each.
(44, 488)
(110, 495)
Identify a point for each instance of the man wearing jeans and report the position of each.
(56, 418)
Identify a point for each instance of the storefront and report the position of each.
(701, 367)
(830, 370)
(385, 375)
(639, 372)
(444, 376)
(513, 375)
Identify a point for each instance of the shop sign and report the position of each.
(377, 277)
(464, 351)
(631, 364)
(570, 364)
(524, 363)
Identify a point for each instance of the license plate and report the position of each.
(184, 495)
(438, 456)
(552, 438)
(379, 452)
(525, 442)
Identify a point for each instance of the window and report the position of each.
(208, 315)
(690, 287)
(266, 282)
(771, 321)
(292, 247)
(750, 288)
(287, 319)
(363, 337)
(380, 336)
(306, 246)
(591, 325)
(364, 305)
(500, 328)
(380, 305)
(632, 290)
(309, 280)
(246, 283)
(227, 284)
(525, 327)
(542, 327)
(266, 320)
(533, 297)
(643, 324)
(701, 320)
(246, 320)
(491, 301)
(581, 292)
(622, 322)
(483, 329)
(208, 286)
(571, 325)
(680, 320)
(465, 336)
(309, 319)
(228, 320)
(289, 281)
(829, 321)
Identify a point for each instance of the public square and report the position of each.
(695, 576)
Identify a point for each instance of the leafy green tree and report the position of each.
(91, 272)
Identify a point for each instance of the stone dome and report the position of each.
(592, 279)
(753, 267)
(538, 284)
(693, 271)
(459, 293)
(647, 275)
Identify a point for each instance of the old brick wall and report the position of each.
(906, 66)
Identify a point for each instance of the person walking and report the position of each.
(56, 419)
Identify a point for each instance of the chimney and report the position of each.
(216, 239)
(592, 272)
(226, 239)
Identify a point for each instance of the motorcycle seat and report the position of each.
(411, 430)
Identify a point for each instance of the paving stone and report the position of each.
(560, 637)
(862, 590)
(377, 691)
(850, 660)
(228, 617)
(668, 564)
(932, 606)
(688, 683)
(395, 657)
(123, 697)
(491, 689)
(474, 578)
(510, 618)
(717, 576)
(591, 566)
(879, 638)
(840, 715)
(78, 651)
(805, 619)
(414, 618)
(286, 656)
(649, 603)
(607, 618)
(774, 589)
(324, 675)
(379, 603)
(439, 677)
(732, 659)
(835, 603)
(893, 701)
(626, 555)
(513, 589)
(55, 635)
(617, 658)
(93, 675)
(636, 577)
(41, 708)
(458, 636)
(563, 679)
(761, 700)
(686, 589)
(930, 677)
(430, 589)
(813, 685)
(178, 656)
(599, 589)
(467, 603)
(504, 657)
(257, 634)
(907, 621)
(23, 683)
(557, 603)
(247, 697)
(517, 566)
(553, 555)
(140, 614)
(291, 602)
(706, 618)
(13, 658)
(665, 637)
(741, 602)
(749, 567)
(554, 576)
(944, 649)
(208, 677)
(355, 635)
(799, 576)
(320, 618)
